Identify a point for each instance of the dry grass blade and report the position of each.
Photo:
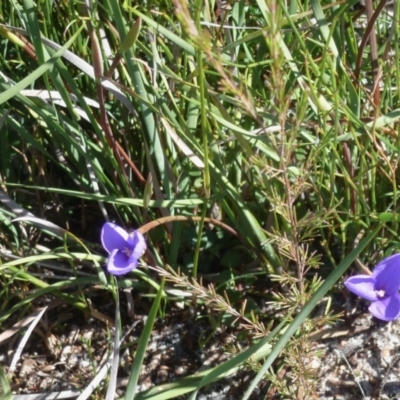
(65, 394)
(4, 336)
(84, 67)
(13, 206)
(181, 144)
(115, 358)
(94, 384)
(23, 341)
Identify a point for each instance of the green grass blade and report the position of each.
(14, 90)
(142, 346)
(6, 393)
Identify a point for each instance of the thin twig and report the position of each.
(370, 35)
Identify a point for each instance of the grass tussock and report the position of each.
(257, 142)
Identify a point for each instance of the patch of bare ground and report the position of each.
(362, 361)
(67, 349)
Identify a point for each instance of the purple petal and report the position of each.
(138, 245)
(113, 237)
(363, 286)
(119, 263)
(387, 275)
(386, 309)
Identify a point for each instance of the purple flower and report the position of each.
(124, 248)
(381, 288)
